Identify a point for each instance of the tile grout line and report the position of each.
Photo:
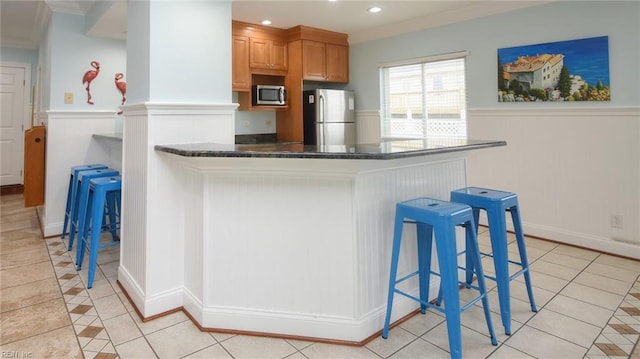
(52, 267)
(558, 293)
(539, 308)
(613, 316)
(61, 284)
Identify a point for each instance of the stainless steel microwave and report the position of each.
(269, 95)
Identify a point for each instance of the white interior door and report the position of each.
(12, 115)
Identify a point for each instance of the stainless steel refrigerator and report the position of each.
(329, 117)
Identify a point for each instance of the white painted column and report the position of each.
(179, 91)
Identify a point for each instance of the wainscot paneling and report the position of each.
(572, 168)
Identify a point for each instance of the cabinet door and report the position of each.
(313, 60)
(337, 67)
(259, 55)
(241, 77)
(278, 55)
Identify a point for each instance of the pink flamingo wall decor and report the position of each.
(90, 76)
(122, 86)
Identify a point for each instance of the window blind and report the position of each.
(424, 99)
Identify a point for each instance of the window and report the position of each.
(424, 98)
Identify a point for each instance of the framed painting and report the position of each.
(574, 70)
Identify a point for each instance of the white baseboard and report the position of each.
(133, 290)
(149, 306)
(607, 245)
(301, 325)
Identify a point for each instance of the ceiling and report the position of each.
(22, 21)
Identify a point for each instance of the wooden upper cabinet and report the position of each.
(279, 54)
(268, 54)
(325, 62)
(241, 76)
(337, 63)
(313, 60)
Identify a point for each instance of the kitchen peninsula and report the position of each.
(295, 240)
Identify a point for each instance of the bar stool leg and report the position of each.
(469, 262)
(94, 245)
(111, 213)
(448, 264)
(83, 232)
(78, 215)
(522, 250)
(497, 231)
(473, 252)
(67, 212)
(395, 254)
(424, 234)
(73, 218)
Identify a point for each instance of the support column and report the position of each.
(178, 91)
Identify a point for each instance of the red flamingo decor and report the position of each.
(90, 76)
(122, 86)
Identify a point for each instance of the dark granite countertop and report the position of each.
(117, 136)
(384, 150)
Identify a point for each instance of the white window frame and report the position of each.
(425, 127)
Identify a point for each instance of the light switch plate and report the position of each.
(68, 98)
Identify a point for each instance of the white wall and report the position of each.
(573, 164)
(71, 52)
(166, 75)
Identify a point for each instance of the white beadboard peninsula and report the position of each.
(293, 240)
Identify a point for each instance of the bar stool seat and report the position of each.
(496, 203)
(72, 199)
(431, 215)
(103, 192)
(77, 218)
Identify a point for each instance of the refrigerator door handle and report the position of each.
(320, 108)
(320, 120)
(320, 130)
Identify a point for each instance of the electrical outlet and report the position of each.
(68, 98)
(617, 221)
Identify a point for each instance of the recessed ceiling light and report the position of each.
(266, 22)
(374, 9)
(333, 0)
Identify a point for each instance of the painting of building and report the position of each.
(576, 70)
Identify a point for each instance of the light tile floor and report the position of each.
(589, 307)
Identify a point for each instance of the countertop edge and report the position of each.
(108, 136)
(175, 150)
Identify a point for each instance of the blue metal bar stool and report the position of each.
(442, 217)
(77, 218)
(496, 203)
(72, 200)
(103, 191)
